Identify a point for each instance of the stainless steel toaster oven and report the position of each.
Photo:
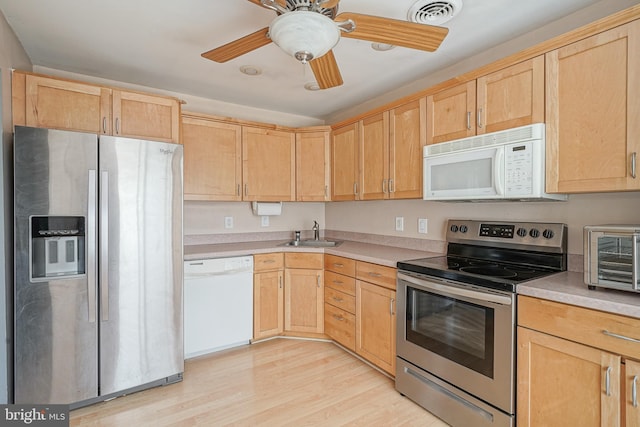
(611, 257)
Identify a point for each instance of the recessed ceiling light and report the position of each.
(382, 47)
(250, 70)
(312, 86)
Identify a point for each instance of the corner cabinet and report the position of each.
(344, 163)
(304, 293)
(212, 159)
(268, 164)
(48, 102)
(576, 366)
(593, 131)
(511, 97)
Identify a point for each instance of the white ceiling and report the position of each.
(157, 43)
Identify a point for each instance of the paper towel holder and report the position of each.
(266, 208)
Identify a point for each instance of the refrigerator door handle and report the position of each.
(104, 246)
(91, 247)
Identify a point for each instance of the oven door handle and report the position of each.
(452, 290)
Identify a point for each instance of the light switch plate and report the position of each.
(422, 225)
(264, 220)
(228, 222)
(399, 223)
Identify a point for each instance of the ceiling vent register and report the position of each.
(434, 12)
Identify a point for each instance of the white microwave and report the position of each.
(505, 165)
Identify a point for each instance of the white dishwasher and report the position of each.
(218, 304)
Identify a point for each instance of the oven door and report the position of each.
(462, 334)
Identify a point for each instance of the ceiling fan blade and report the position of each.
(282, 3)
(326, 71)
(394, 31)
(239, 47)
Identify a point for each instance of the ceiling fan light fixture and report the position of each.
(382, 47)
(305, 35)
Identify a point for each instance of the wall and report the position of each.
(12, 55)
(578, 211)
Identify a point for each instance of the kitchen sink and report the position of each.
(313, 243)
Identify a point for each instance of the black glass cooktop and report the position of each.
(488, 273)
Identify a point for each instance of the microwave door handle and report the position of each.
(498, 171)
(635, 267)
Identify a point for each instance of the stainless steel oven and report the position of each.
(457, 313)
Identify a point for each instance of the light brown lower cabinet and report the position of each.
(340, 303)
(268, 295)
(576, 366)
(304, 293)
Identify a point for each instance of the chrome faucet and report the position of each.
(316, 230)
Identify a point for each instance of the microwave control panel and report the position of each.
(519, 168)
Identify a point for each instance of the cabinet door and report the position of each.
(268, 165)
(312, 166)
(60, 104)
(373, 145)
(408, 127)
(632, 385)
(563, 383)
(304, 301)
(376, 325)
(137, 115)
(212, 159)
(268, 304)
(593, 131)
(344, 163)
(511, 97)
(451, 113)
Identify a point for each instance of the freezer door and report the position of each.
(55, 329)
(140, 262)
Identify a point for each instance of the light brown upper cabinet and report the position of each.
(313, 160)
(47, 102)
(593, 106)
(344, 163)
(511, 97)
(212, 159)
(268, 164)
(373, 148)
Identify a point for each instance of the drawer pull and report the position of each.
(269, 261)
(338, 318)
(337, 264)
(337, 299)
(338, 282)
(607, 381)
(634, 392)
(622, 337)
(373, 274)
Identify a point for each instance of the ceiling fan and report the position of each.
(309, 29)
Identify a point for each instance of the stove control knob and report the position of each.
(463, 229)
(548, 234)
(522, 232)
(535, 233)
(454, 228)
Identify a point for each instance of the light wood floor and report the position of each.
(281, 382)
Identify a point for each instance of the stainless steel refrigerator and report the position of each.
(98, 266)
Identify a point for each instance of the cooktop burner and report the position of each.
(496, 255)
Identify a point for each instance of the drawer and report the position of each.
(265, 262)
(582, 325)
(340, 300)
(378, 274)
(303, 260)
(340, 265)
(341, 326)
(340, 282)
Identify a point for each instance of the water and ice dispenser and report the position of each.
(57, 247)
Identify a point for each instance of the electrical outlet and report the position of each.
(399, 223)
(264, 220)
(422, 225)
(228, 222)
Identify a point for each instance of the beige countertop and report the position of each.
(568, 287)
(377, 254)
